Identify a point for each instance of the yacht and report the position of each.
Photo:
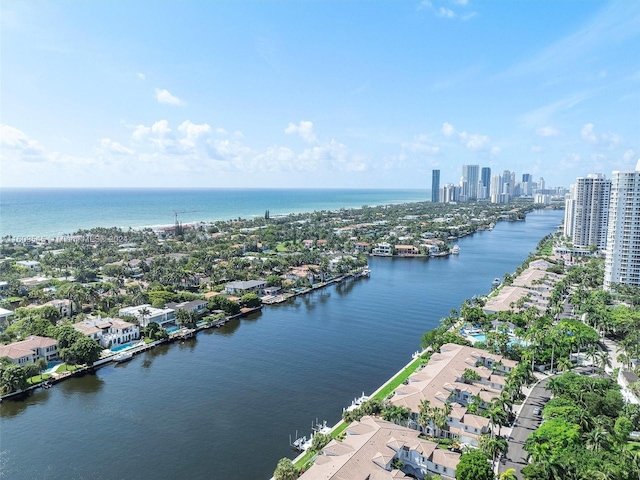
(455, 250)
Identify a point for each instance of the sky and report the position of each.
(347, 94)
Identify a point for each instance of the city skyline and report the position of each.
(315, 94)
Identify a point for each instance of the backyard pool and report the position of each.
(124, 346)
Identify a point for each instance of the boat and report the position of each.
(123, 357)
(455, 250)
(496, 282)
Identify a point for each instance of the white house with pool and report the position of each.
(108, 332)
(146, 314)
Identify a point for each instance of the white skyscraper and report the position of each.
(469, 182)
(587, 214)
(622, 261)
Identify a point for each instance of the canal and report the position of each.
(224, 404)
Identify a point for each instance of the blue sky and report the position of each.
(315, 93)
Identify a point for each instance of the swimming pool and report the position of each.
(481, 337)
(172, 329)
(124, 346)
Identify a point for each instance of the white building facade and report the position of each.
(590, 211)
(622, 260)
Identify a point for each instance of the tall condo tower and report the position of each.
(526, 184)
(470, 177)
(435, 186)
(485, 180)
(590, 211)
(622, 260)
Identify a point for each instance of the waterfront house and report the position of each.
(382, 248)
(30, 350)
(247, 286)
(195, 306)
(361, 247)
(407, 250)
(442, 381)
(161, 316)
(272, 291)
(108, 332)
(372, 448)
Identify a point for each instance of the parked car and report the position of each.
(536, 411)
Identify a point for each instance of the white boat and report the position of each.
(455, 250)
(123, 357)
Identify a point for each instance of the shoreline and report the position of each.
(164, 210)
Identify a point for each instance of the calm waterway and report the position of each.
(224, 404)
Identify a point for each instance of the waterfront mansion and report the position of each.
(444, 381)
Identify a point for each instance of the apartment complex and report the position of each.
(443, 381)
(369, 449)
(587, 212)
(622, 261)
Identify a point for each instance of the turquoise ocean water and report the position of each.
(53, 212)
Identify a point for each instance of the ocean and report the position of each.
(48, 213)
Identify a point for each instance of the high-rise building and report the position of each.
(469, 182)
(485, 181)
(497, 188)
(527, 187)
(622, 259)
(450, 193)
(435, 186)
(569, 204)
(590, 211)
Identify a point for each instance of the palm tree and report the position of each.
(508, 474)
(597, 439)
(425, 416)
(564, 364)
(603, 361)
(497, 416)
(144, 314)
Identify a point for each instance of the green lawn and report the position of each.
(67, 368)
(396, 381)
(38, 378)
(306, 460)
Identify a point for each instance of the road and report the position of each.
(527, 422)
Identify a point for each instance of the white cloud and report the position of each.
(163, 96)
(474, 142)
(110, 146)
(422, 144)
(140, 131)
(161, 128)
(446, 13)
(27, 149)
(536, 149)
(587, 133)
(141, 76)
(548, 132)
(447, 129)
(304, 129)
(607, 141)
